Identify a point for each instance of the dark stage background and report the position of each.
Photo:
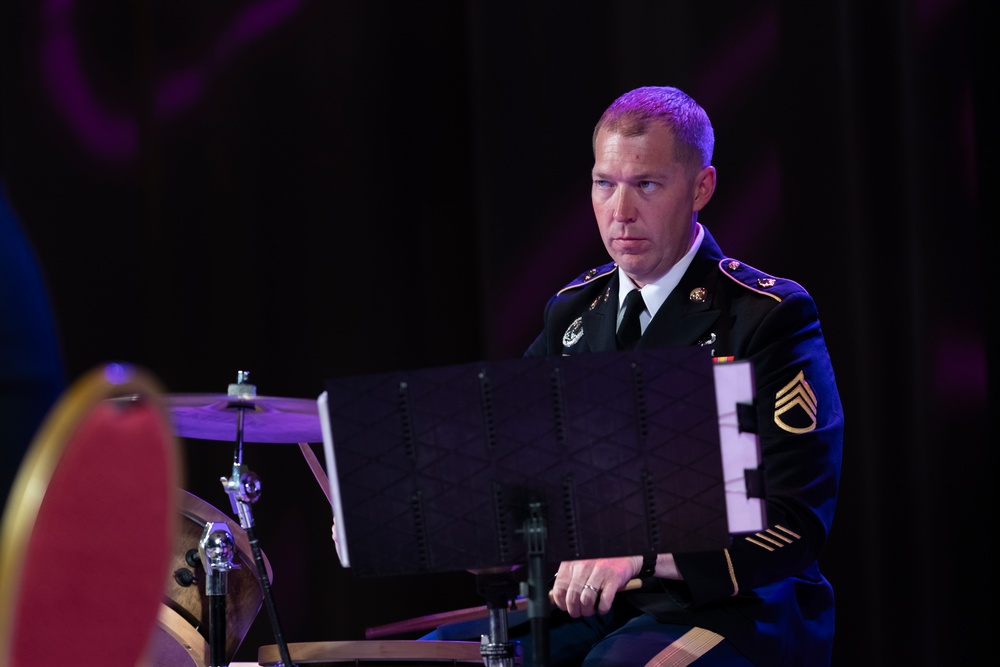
(308, 188)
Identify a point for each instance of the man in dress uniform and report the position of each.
(762, 600)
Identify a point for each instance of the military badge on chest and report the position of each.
(574, 332)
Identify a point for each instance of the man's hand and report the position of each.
(583, 587)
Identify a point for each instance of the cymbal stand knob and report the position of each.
(245, 485)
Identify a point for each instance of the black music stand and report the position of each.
(494, 465)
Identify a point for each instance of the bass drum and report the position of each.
(181, 635)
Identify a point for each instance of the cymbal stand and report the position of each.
(216, 549)
(244, 489)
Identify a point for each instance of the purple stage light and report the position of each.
(112, 134)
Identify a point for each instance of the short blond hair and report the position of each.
(631, 114)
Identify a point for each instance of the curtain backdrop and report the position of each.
(305, 189)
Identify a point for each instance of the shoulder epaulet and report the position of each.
(758, 281)
(589, 276)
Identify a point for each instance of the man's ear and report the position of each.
(704, 187)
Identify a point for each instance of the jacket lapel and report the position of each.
(599, 322)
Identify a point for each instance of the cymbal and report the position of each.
(269, 419)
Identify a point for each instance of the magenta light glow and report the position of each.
(109, 133)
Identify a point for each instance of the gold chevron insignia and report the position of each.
(795, 406)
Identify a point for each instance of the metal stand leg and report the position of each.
(216, 549)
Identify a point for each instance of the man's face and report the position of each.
(645, 201)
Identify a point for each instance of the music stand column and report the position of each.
(535, 536)
(499, 587)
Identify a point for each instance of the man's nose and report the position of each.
(624, 208)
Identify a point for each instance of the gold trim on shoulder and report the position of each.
(588, 277)
(763, 281)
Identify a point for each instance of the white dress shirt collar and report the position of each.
(654, 294)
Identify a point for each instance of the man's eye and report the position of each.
(601, 183)
(646, 185)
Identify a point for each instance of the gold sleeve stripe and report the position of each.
(787, 531)
(759, 544)
(769, 540)
(775, 534)
(732, 573)
(778, 537)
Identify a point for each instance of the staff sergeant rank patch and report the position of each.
(795, 406)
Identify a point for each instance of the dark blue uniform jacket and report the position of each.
(765, 593)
